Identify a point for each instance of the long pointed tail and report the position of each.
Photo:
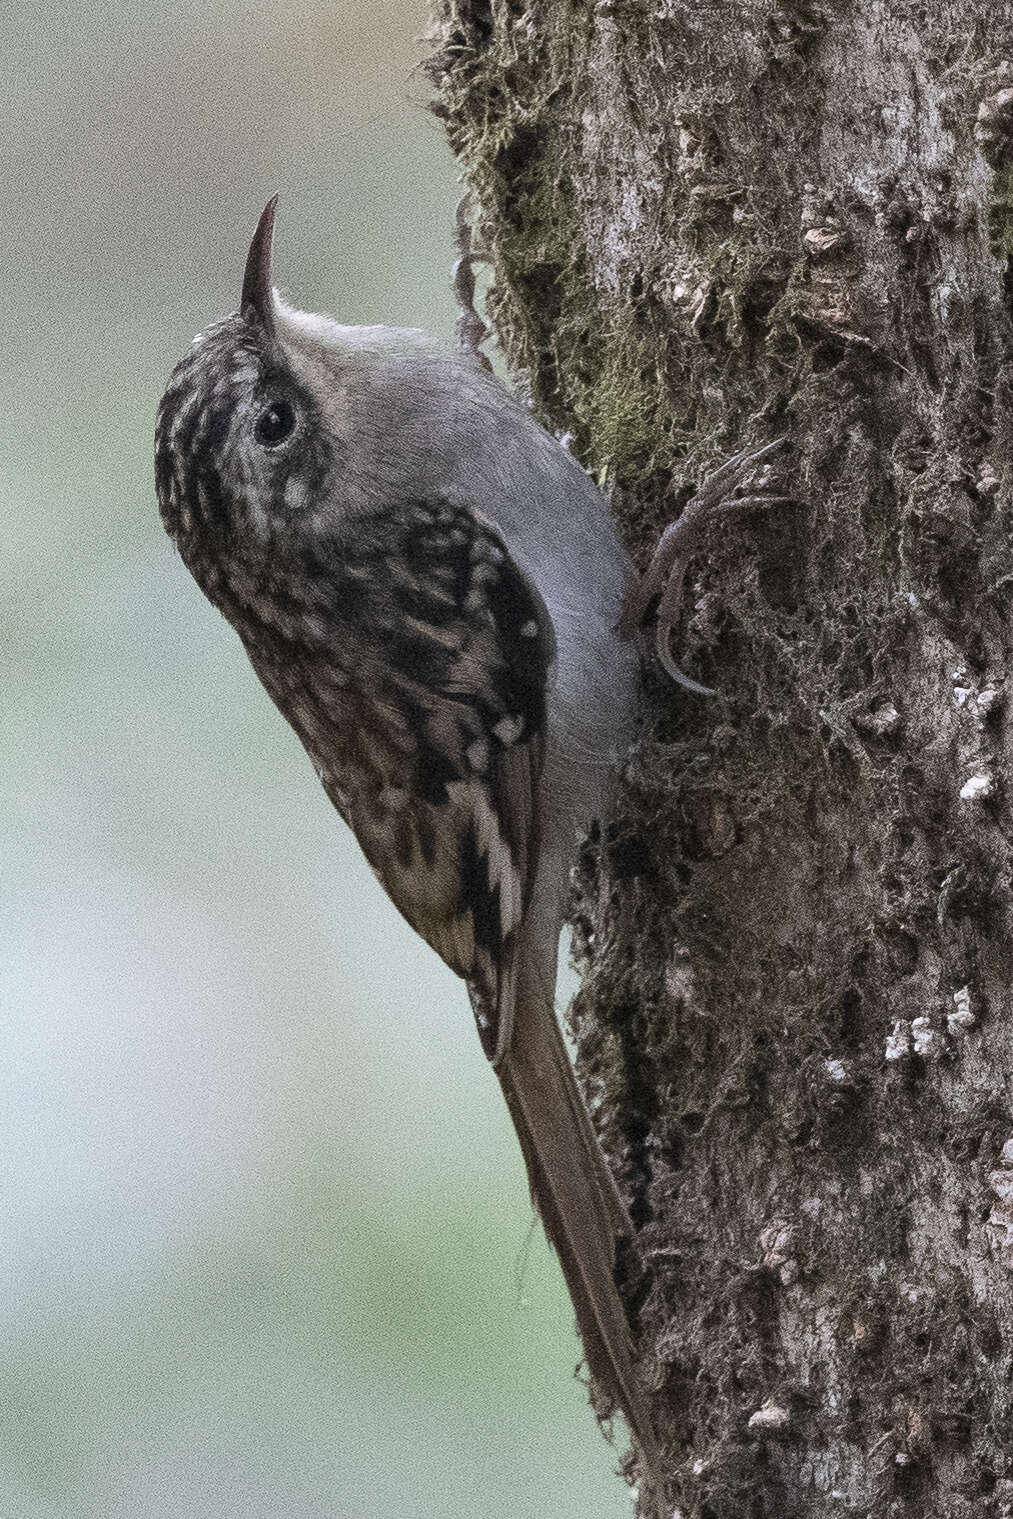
(574, 1192)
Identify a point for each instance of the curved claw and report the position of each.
(667, 569)
(671, 669)
(734, 469)
(660, 569)
(470, 328)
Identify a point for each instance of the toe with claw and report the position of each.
(469, 328)
(665, 574)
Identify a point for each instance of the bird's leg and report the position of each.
(470, 328)
(665, 574)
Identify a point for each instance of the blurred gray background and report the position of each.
(264, 1233)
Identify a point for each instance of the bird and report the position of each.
(433, 593)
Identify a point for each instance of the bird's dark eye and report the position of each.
(274, 424)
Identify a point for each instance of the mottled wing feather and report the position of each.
(453, 740)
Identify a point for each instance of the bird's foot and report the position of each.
(470, 329)
(665, 574)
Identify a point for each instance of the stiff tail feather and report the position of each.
(575, 1194)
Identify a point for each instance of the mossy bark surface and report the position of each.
(710, 225)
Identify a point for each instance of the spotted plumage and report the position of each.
(429, 588)
(412, 659)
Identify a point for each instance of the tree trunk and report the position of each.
(713, 224)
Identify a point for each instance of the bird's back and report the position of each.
(460, 434)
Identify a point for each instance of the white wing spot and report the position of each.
(529, 629)
(477, 754)
(509, 729)
(500, 869)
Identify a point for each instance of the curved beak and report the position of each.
(257, 303)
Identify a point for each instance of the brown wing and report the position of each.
(452, 741)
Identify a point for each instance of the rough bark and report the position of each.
(711, 224)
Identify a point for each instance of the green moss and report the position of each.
(586, 373)
(1000, 212)
(624, 417)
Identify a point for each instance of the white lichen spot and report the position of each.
(777, 1242)
(977, 788)
(1006, 1154)
(1000, 1220)
(987, 699)
(898, 1042)
(962, 1018)
(882, 723)
(960, 694)
(819, 241)
(770, 1419)
(923, 1038)
(1000, 1228)
(680, 981)
(836, 1072)
(947, 295)
(992, 125)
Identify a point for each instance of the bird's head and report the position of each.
(253, 429)
(288, 447)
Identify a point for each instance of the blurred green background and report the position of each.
(265, 1243)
